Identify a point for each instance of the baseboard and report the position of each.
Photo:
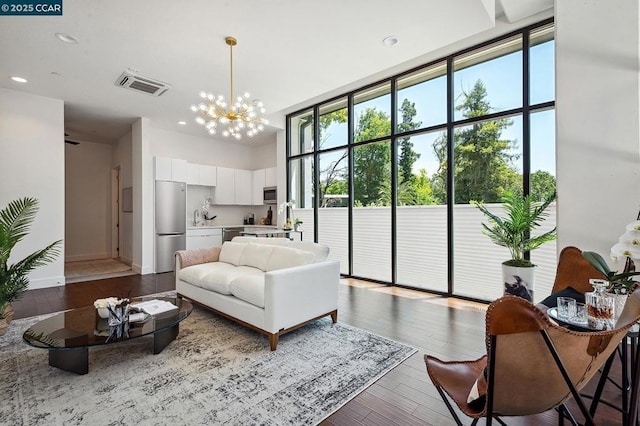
(142, 270)
(46, 282)
(82, 257)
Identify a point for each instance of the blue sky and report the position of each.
(502, 80)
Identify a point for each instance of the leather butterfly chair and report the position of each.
(533, 365)
(574, 271)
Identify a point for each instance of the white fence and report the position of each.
(422, 247)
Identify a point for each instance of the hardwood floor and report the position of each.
(447, 328)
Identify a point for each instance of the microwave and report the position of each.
(270, 195)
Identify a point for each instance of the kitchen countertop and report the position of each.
(231, 226)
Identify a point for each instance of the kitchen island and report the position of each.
(278, 232)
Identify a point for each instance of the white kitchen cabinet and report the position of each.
(201, 174)
(172, 169)
(243, 187)
(271, 177)
(204, 238)
(258, 185)
(225, 188)
(208, 175)
(193, 174)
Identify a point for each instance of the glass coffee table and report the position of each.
(69, 335)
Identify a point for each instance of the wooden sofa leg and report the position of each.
(273, 340)
(334, 316)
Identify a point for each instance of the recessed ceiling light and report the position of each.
(390, 41)
(182, 123)
(66, 38)
(18, 79)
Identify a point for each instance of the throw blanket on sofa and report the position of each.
(198, 256)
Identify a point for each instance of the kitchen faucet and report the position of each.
(196, 216)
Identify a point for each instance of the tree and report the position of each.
(482, 159)
(542, 185)
(372, 162)
(335, 171)
(407, 155)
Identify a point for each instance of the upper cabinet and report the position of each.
(270, 177)
(172, 169)
(243, 187)
(225, 188)
(201, 174)
(257, 193)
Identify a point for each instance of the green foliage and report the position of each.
(482, 160)
(542, 185)
(335, 174)
(618, 281)
(15, 221)
(407, 156)
(513, 231)
(372, 162)
(372, 168)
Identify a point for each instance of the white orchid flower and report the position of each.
(623, 250)
(634, 226)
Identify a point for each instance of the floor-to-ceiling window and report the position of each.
(386, 175)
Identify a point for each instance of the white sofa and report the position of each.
(271, 285)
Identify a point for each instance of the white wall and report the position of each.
(264, 156)
(32, 164)
(201, 150)
(87, 201)
(142, 182)
(597, 116)
(121, 157)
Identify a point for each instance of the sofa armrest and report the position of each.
(186, 258)
(295, 295)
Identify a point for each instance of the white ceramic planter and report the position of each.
(519, 281)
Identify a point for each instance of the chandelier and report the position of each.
(241, 115)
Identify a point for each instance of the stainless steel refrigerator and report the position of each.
(171, 222)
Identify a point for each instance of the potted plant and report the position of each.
(627, 249)
(15, 220)
(297, 223)
(514, 231)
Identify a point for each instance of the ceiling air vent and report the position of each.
(132, 81)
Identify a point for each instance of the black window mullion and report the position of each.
(394, 182)
(450, 175)
(350, 122)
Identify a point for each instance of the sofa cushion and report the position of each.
(218, 280)
(231, 252)
(249, 288)
(197, 274)
(320, 251)
(285, 257)
(256, 255)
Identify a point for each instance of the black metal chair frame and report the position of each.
(562, 408)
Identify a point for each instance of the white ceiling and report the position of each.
(289, 52)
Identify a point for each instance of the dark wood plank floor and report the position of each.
(447, 328)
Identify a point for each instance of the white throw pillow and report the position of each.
(256, 255)
(285, 257)
(320, 251)
(231, 252)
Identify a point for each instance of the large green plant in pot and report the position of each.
(515, 231)
(15, 221)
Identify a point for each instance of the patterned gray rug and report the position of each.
(216, 372)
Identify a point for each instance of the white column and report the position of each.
(597, 121)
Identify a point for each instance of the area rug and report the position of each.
(215, 372)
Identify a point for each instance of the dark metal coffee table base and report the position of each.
(77, 360)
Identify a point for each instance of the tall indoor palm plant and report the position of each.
(15, 220)
(515, 232)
